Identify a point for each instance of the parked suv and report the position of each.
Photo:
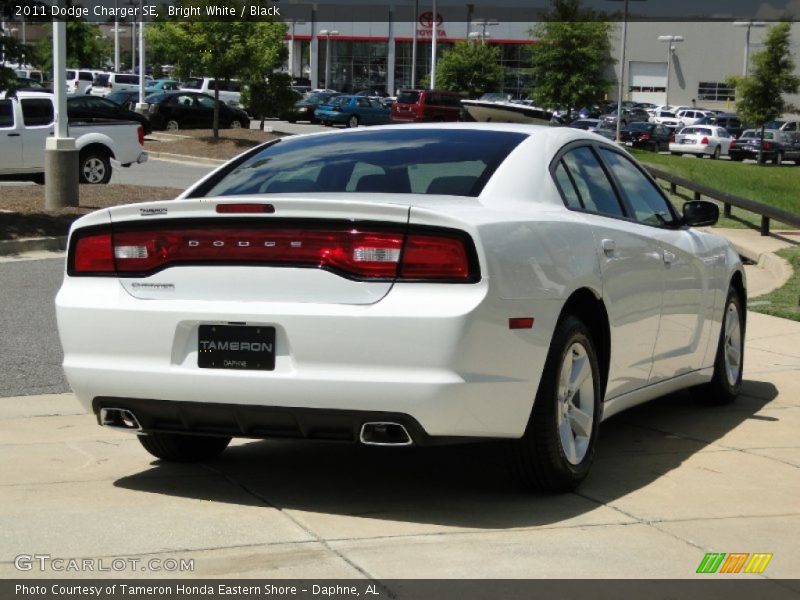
(106, 83)
(732, 123)
(78, 81)
(230, 92)
(426, 105)
(792, 127)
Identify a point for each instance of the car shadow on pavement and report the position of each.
(466, 486)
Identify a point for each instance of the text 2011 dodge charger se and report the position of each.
(405, 285)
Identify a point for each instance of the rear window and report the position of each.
(119, 97)
(70, 74)
(638, 126)
(408, 97)
(101, 79)
(194, 83)
(126, 79)
(455, 162)
(85, 76)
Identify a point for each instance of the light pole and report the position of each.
(623, 49)
(327, 34)
(748, 25)
(291, 44)
(141, 107)
(435, 26)
(670, 40)
(60, 154)
(116, 38)
(414, 45)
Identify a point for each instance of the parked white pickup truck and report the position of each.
(26, 121)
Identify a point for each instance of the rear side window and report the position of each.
(594, 189)
(70, 74)
(6, 114)
(193, 84)
(85, 76)
(101, 79)
(567, 187)
(36, 111)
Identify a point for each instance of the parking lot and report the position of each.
(673, 480)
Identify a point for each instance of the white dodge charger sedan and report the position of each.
(402, 285)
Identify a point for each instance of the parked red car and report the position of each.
(426, 105)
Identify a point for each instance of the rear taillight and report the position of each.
(94, 254)
(436, 255)
(645, 137)
(109, 85)
(767, 146)
(672, 138)
(733, 144)
(704, 141)
(140, 133)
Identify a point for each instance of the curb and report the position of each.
(185, 158)
(47, 244)
(779, 267)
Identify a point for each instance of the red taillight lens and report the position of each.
(672, 138)
(733, 144)
(140, 133)
(350, 252)
(767, 146)
(645, 137)
(245, 208)
(94, 254)
(434, 257)
(704, 141)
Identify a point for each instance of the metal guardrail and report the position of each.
(767, 213)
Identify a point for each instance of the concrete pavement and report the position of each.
(673, 480)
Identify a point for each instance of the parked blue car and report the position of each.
(163, 85)
(352, 111)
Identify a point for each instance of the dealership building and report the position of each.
(377, 55)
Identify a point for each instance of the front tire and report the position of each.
(94, 167)
(235, 124)
(172, 125)
(352, 121)
(716, 154)
(558, 446)
(729, 363)
(176, 447)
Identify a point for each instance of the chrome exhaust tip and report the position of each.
(384, 434)
(119, 418)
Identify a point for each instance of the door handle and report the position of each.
(669, 257)
(13, 135)
(608, 246)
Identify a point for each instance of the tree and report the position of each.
(571, 59)
(472, 68)
(760, 95)
(247, 50)
(86, 47)
(270, 98)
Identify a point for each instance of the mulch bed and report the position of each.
(30, 219)
(201, 142)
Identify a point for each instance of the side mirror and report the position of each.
(700, 213)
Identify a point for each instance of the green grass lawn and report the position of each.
(785, 301)
(776, 186)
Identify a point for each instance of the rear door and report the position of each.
(37, 116)
(630, 263)
(10, 138)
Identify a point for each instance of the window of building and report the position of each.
(715, 91)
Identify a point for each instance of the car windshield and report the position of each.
(774, 124)
(639, 127)
(408, 97)
(195, 83)
(408, 161)
(753, 134)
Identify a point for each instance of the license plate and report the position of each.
(686, 141)
(630, 144)
(236, 347)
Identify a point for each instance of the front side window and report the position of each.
(649, 206)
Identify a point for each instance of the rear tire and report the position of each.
(729, 363)
(558, 446)
(716, 154)
(94, 167)
(172, 125)
(176, 447)
(778, 160)
(235, 124)
(352, 121)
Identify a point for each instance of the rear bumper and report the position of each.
(441, 355)
(691, 148)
